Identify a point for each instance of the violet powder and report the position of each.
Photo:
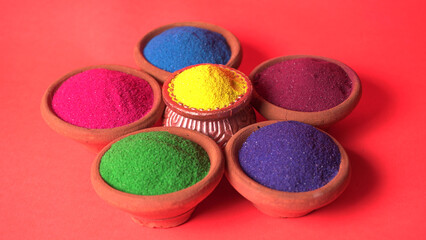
(290, 156)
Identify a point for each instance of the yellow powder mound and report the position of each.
(208, 87)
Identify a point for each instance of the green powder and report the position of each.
(154, 163)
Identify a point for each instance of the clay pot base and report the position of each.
(321, 119)
(220, 130)
(162, 75)
(165, 222)
(96, 139)
(279, 203)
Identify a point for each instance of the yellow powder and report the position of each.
(207, 87)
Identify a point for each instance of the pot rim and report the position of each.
(204, 114)
(160, 74)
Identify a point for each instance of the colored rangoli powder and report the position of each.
(154, 163)
(290, 156)
(180, 47)
(102, 98)
(304, 84)
(207, 86)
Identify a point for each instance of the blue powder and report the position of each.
(180, 47)
(290, 156)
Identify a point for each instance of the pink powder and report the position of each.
(303, 84)
(101, 98)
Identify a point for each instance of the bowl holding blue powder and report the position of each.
(172, 47)
(184, 46)
(288, 168)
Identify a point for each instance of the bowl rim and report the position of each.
(169, 204)
(318, 118)
(193, 113)
(160, 74)
(90, 135)
(253, 191)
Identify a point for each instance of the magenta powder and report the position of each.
(102, 98)
(303, 84)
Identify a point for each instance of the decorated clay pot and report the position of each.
(96, 139)
(219, 124)
(166, 210)
(162, 75)
(321, 119)
(279, 203)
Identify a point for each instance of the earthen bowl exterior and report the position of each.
(322, 119)
(162, 75)
(166, 210)
(96, 139)
(279, 203)
(219, 124)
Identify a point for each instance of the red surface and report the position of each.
(46, 192)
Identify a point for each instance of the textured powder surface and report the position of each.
(304, 84)
(101, 98)
(180, 47)
(154, 163)
(290, 156)
(208, 87)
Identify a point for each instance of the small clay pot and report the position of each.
(320, 119)
(166, 210)
(219, 124)
(96, 139)
(162, 75)
(279, 203)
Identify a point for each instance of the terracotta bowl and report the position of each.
(279, 203)
(96, 139)
(219, 124)
(162, 75)
(320, 119)
(166, 210)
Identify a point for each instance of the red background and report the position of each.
(44, 177)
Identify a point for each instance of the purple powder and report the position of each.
(102, 98)
(290, 156)
(303, 84)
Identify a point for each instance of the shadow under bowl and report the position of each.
(96, 139)
(162, 75)
(166, 210)
(279, 203)
(321, 119)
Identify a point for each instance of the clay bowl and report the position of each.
(96, 139)
(279, 203)
(166, 210)
(320, 119)
(219, 124)
(162, 75)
